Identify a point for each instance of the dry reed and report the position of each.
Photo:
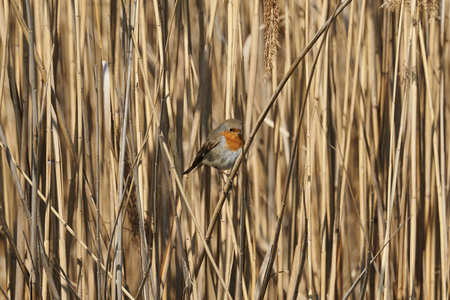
(342, 188)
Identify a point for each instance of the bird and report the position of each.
(222, 147)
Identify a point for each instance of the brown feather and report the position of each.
(210, 143)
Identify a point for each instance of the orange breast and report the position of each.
(234, 142)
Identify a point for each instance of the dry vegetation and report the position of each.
(343, 191)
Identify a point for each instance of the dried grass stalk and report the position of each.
(271, 39)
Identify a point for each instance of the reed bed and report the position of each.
(343, 188)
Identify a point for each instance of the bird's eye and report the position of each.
(231, 129)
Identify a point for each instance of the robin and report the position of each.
(222, 147)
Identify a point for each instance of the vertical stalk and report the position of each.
(49, 156)
(414, 130)
(118, 259)
(80, 143)
(35, 273)
(443, 219)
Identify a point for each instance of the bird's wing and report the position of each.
(210, 143)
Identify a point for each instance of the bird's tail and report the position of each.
(191, 168)
(195, 165)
